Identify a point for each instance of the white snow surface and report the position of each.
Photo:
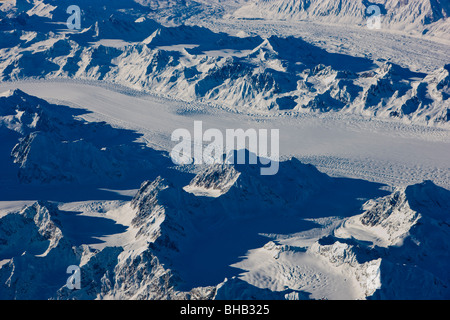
(344, 145)
(414, 16)
(307, 242)
(265, 73)
(360, 205)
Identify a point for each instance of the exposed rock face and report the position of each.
(270, 75)
(410, 250)
(57, 147)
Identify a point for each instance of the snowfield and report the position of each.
(266, 73)
(286, 250)
(340, 145)
(358, 209)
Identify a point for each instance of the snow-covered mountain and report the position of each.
(418, 16)
(73, 151)
(195, 64)
(396, 248)
(406, 231)
(32, 239)
(430, 17)
(83, 187)
(390, 251)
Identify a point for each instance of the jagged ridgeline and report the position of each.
(252, 74)
(396, 249)
(418, 16)
(178, 234)
(137, 226)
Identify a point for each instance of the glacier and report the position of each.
(279, 74)
(359, 208)
(141, 245)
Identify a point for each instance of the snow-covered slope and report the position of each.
(405, 236)
(417, 16)
(245, 73)
(55, 146)
(32, 240)
(396, 249)
(140, 227)
(221, 231)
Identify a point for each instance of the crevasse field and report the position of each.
(358, 209)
